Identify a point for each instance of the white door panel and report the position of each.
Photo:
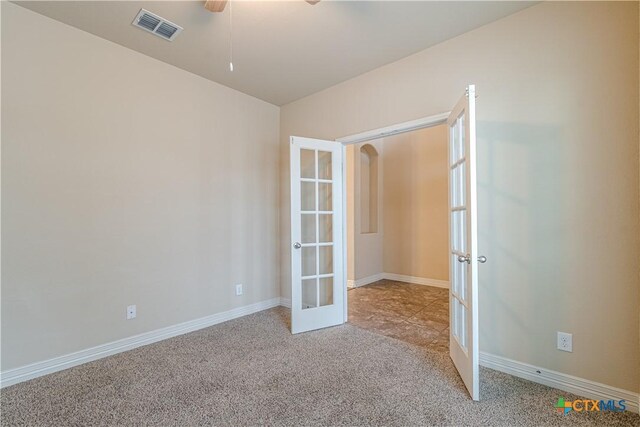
(317, 271)
(463, 223)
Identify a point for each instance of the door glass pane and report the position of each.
(454, 232)
(325, 196)
(307, 163)
(463, 326)
(324, 164)
(462, 231)
(462, 181)
(454, 316)
(325, 228)
(459, 225)
(326, 291)
(460, 323)
(462, 280)
(454, 272)
(459, 198)
(458, 184)
(309, 293)
(453, 143)
(452, 188)
(326, 259)
(455, 188)
(460, 201)
(308, 224)
(461, 277)
(308, 196)
(461, 136)
(308, 261)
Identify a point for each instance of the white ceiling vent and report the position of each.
(155, 24)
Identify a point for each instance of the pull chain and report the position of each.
(231, 35)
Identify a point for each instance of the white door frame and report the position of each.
(422, 123)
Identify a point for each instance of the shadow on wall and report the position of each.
(521, 229)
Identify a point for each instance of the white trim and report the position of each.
(409, 126)
(425, 122)
(345, 237)
(285, 302)
(365, 280)
(38, 369)
(400, 278)
(417, 280)
(564, 382)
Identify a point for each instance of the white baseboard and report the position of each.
(365, 280)
(38, 369)
(564, 382)
(285, 302)
(417, 280)
(398, 277)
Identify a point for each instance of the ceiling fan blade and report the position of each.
(215, 5)
(312, 2)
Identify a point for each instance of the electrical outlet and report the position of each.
(565, 341)
(131, 312)
(239, 289)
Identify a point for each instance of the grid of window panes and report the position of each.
(459, 273)
(316, 219)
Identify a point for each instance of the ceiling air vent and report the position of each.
(157, 25)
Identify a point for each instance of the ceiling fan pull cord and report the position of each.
(231, 35)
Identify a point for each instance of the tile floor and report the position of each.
(417, 314)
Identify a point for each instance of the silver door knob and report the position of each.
(462, 258)
(482, 259)
(297, 245)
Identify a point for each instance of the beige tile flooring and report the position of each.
(417, 314)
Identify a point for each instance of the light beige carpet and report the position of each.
(252, 371)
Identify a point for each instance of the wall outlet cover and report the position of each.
(239, 289)
(131, 312)
(565, 341)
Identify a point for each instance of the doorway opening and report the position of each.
(398, 236)
(319, 227)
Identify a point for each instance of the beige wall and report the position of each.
(558, 174)
(364, 249)
(412, 237)
(154, 203)
(124, 181)
(416, 233)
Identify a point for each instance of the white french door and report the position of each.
(463, 238)
(317, 273)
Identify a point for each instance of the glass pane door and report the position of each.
(463, 238)
(316, 173)
(316, 220)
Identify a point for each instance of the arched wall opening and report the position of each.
(369, 189)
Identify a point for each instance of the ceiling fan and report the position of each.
(218, 5)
